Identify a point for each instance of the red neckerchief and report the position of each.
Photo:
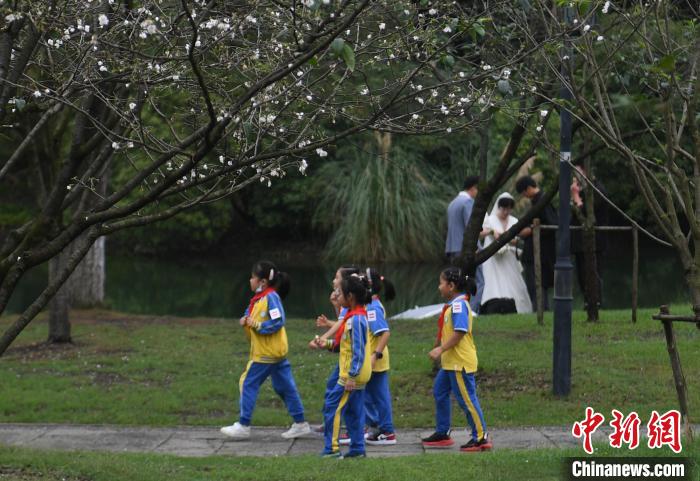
(441, 322)
(257, 297)
(359, 310)
(441, 319)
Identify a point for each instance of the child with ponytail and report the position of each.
(331, 338)
(378, 395)
(263, 322)
(347, 397)
(455, 348)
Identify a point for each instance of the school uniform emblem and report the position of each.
(457, 307)
(371, 316)
(275, 313)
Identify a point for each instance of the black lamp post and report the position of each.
(563, 297)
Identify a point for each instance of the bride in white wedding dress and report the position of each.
(503, 280)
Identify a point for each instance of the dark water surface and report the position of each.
(219, 288)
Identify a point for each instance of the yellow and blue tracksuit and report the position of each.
(378, 396)
(268, 358)
(333, 378)
(457, 373)
(353, 363)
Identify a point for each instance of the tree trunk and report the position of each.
(60, 278)
(87, 283)
(692, 278)
(59, 323)
(84, 288)
(588, 238)
(484, 149)
(590, 270)
(384, 141)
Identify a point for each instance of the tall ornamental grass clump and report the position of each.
(382, 207)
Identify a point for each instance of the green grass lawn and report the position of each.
(544, 464)
(126, 369)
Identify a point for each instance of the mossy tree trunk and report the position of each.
(59, 321)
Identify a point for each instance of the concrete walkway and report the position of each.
(264, 441)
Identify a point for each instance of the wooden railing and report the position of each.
(537, 250)
(667, 319)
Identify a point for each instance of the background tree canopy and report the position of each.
(119, 114)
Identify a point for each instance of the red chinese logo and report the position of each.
(625, 429)
(662, 430)
(587, 427)
(665, 430)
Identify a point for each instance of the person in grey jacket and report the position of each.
(458, 214)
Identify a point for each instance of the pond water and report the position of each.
(219, 288)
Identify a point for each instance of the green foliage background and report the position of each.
(414, 186)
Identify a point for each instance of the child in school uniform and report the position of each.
(378, 412)
(378, 396)
(263, 322)
(331, 338)
(347, 398)
(457, 353)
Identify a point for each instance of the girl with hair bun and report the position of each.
(263, 322)
(455, 348)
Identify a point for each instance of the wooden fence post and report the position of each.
(679, 379)
(538, 270)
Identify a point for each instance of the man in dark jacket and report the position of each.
(528, 188)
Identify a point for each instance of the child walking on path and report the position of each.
(455, 348)
(331, 339)
(378, 395)
(263, 322)
(347, 398)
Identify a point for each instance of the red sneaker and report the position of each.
(484, 444)
(438, 440)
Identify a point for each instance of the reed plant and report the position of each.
(382, 205)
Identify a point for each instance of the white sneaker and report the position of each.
(297, 429)
(237, 431)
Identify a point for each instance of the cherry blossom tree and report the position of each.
(199, 99)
